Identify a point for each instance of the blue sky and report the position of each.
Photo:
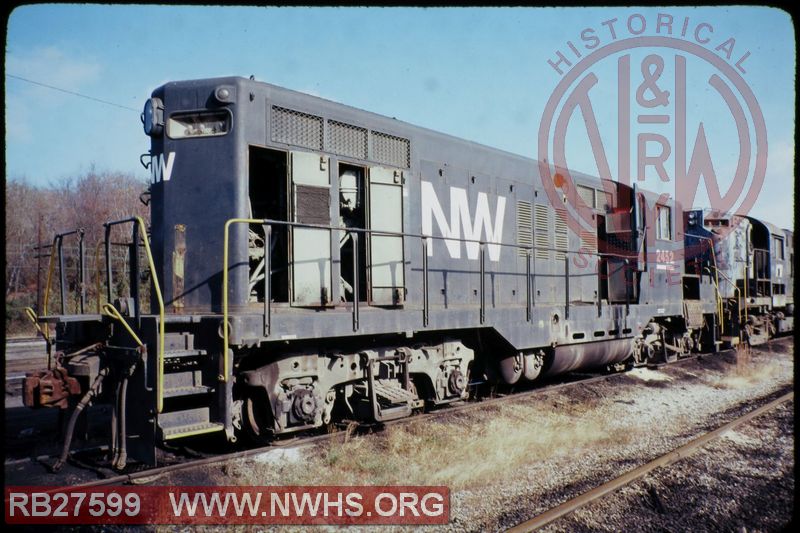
(480, 74)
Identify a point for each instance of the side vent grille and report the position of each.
(296, 128)
(541, 229)
(589, 242)
(346, 139)
(561, 234)
(524, 227)
(391, 150)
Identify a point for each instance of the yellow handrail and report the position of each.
(157, 288)
(111, 311)
(224, 376)
(719, 303)
(739, 292)
(716, 285)
(32, 315)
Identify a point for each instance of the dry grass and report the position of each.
(467, 450)
(749, 372)
(743, 359)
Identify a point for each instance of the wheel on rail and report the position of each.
(257, 419)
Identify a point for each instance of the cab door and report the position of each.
(386, 268)
(310, 255)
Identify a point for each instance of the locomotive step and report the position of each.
(178, 432)
(52, 319)
(393, 393)
(176, 392)
(176, 354)
(186, 423)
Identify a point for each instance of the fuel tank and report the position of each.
(587, 355)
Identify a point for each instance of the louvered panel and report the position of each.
(541, 229)
(561, 233)
(524, 227)
(589, 242)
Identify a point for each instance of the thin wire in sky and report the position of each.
(71, 92)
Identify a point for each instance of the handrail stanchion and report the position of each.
(61, 278)
(134, 274)
(566, 286)
(160, 299)
(533, 277)
(356, 281)
(82, 270)
(97, 274)
(483, 282)
(109, 274)
(425, 282)
(223, 377)
(141, 230)
(267, 277)
(627, 287)
(528, 291)
(51, 265)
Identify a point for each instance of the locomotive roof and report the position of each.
(364, 114)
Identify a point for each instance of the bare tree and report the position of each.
(85, 201)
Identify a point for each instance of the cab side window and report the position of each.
(663, 222)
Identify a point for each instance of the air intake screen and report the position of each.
(346, 139)
(296, 128)
(391, 150)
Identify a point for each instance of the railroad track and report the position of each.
(629, 477)
(21, 355)
(143, 476)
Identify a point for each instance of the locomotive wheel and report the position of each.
(257, 419)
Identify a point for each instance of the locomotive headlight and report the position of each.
(224, 94)
(153, 117)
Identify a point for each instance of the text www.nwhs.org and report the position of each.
(228, 505)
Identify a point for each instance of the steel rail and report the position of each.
(675, 455)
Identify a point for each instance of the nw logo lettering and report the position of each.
(160, 167)
(482, 228)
